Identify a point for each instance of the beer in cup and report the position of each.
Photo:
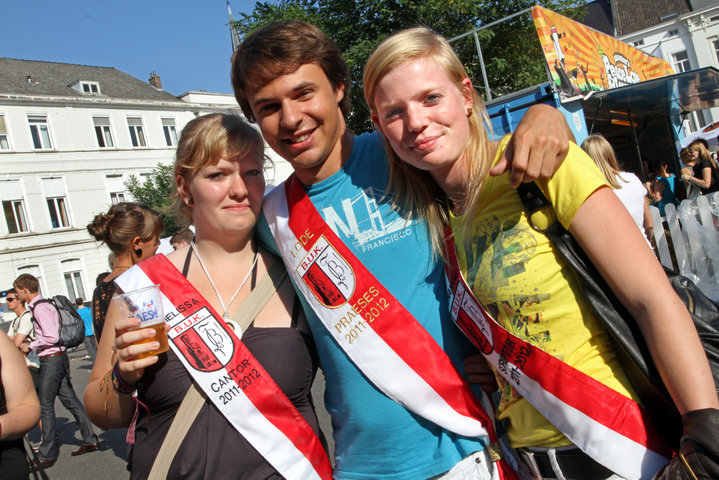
(146, 305)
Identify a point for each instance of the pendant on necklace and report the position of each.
(233, 325)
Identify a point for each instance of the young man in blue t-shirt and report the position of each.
(292, 80)
(89, 341)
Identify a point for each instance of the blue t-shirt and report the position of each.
(86, 315)
(668, 194)
(376, 437)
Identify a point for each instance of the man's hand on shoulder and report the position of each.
(538, 146)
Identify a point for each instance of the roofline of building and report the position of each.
(660, 26)
(104, 102)
(203, 92)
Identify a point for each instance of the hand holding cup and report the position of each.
(140, 331)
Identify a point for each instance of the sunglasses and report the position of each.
(11, 299)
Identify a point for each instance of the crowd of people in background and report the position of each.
(399, 409)
(698, 175)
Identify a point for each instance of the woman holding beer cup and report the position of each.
(220, 184)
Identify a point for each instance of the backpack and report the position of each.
(71, 327)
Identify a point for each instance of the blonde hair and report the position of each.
(207, 138)
(601, 151)
(429, 201)
(697, 146)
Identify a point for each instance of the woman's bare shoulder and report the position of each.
(177, 258)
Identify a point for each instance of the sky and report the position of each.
(187, 42)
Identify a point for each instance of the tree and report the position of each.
(157, 192)
(511, 50)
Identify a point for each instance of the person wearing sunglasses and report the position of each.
(21, 331)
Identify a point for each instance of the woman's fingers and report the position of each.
(478, 371)
(135, 342)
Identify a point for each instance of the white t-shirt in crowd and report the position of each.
(632, 194)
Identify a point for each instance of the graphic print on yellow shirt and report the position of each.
(527, 287)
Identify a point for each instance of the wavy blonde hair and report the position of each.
(697, 146)
(602, 152)
(429, 201)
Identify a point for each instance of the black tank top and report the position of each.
(212, 448)
(13, 463)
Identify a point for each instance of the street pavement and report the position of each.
(109, 462)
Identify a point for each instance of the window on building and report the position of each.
(86, 87)
(58, 212)
(92, 88)
(137, 134)
(168, 127)
(39, 132)
(75, 288)
(102, 131)
(681, 61)
(117, 197)
(14, 216)
(55, 197)
(715, 44)
(116, 187)
(4, 143)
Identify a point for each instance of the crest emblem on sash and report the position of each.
(203, 341)
(327, 274)
(471, 320)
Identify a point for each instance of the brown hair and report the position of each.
(185, 235)
(429, 202)
(123, 222)
(684, 155)
(601, 151)
(13, 291)
(27, 281)
(280, 48)
(204, 140)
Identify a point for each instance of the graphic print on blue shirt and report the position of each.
(375, 437)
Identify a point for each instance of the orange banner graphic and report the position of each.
(582, 60)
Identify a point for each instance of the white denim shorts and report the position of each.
(476, 466)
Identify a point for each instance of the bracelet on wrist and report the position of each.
(119, 384)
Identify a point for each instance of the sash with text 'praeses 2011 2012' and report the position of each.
(416, 374)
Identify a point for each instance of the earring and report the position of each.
(469, 111)
(138, 252)
(190, 201)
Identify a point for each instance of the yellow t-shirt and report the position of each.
(527, 287)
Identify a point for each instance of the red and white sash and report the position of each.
(609, 427)
(230, 376)
(375, 331)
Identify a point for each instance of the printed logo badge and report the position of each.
(145, 311)
(327, 274)
(203, 341)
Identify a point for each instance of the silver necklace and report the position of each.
(225, 315)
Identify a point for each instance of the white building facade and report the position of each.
(70, 137)
(688, 41)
